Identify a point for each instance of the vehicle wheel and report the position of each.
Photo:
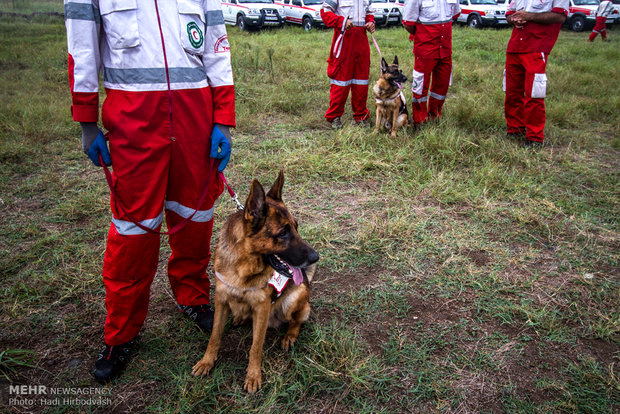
(474, 21)
(241, 23)
(307, 24)
(577, 24)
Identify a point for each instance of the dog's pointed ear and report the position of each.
(395, 60)
(384, 65)
(276, 189)
(256, 207)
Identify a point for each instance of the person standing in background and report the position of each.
(348, 66)
(603, 10)
(429, 22)
(536, 26)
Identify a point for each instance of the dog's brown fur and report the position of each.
(390, 109)
(264, 228)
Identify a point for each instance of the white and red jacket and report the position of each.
(604, 9)
(197, 53)
(535, 37)
(168, 79)
(433, 22)
(334, 12)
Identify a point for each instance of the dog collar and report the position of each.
(236, 289)
(391, 98)
(278, 281)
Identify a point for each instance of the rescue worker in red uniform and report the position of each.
(169, 102)
(537, 24)
(603, 10)
(429, 23)
(348, 66)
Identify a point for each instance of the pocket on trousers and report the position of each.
(333, 67)
(539, 86)
(417, 83)
(120, 23)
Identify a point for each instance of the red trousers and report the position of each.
(525, 84)
(159, 161)
(350, 71)
(433, 72)
(599, 27)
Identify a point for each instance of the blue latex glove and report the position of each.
(221, 144)
(99, 147)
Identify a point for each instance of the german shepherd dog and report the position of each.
(390, 102)
(258, 252)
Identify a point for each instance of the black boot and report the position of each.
(201, 315)
(112, 361)
(532, 144)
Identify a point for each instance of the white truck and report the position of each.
(307, 13)
(253, 14)
(582, 12)
(387, 12)
(479, 13)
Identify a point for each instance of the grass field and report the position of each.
(459, 272)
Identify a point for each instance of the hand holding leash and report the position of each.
(346, 24)
(94, 144)
(221, 145)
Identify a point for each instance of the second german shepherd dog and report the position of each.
(258, 252)
(390, 102)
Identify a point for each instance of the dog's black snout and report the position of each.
(313, 257)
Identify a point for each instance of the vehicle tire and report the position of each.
(307, 24)
(474, 21)
(241, 23)
(577, 24)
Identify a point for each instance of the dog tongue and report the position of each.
(298, 277)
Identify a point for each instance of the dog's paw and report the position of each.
(202, 367)
(288, 341)
(253, 382)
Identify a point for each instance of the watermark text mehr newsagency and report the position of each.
(30, 395)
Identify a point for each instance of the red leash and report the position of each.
(179, 225)
(231, 192)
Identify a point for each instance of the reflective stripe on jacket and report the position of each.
(123, 39)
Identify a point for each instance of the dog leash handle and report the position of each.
(340, 40)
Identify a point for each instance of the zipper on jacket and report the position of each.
(163, 45)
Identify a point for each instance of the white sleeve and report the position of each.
(216, 52)
(83, 24)
(330, 5)
(411, 12)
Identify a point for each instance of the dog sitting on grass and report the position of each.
(263, 269)
(391, 107)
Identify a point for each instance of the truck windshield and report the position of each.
(586, 2)
(308, 2)
(256, 1)
(483, 2)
